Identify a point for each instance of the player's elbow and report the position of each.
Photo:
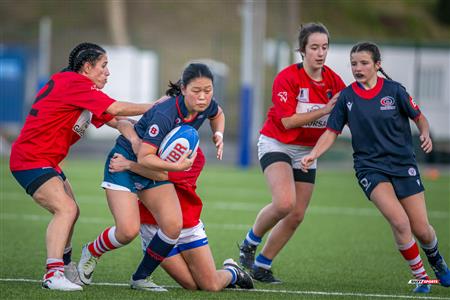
(286, 123)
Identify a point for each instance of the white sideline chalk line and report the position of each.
(341, 294)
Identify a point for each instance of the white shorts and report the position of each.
(295, 152)
(190, 238)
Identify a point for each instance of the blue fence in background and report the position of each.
(13, 65)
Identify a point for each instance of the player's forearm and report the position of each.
(300, 119)
(153, 162)
(324, 143)
(120, 108)
(218, 123)
(423, 126)
(148, 173)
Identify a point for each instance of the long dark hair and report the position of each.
(84, 52)
(191, 72)
(374, 52)
(306, 30)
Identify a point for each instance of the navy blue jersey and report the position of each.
(379, 123)
(157, 122)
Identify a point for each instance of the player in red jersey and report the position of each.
(190, 262)
(302, 96)
(59, 117)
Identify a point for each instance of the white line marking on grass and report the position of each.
(340, 294)
(86, 220)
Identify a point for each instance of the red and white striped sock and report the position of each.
(53, 265)
(105, 242)
(411, 253)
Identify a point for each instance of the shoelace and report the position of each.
(92, 261)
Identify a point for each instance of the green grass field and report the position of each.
(344, 249)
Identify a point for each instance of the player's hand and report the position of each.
(119, 163)
(426, 143)
(329, 106)
(218, 141)
(185, 163)
(306, 162)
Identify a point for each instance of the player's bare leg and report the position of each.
(52, 196)
(385, 199)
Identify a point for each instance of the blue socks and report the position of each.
(252, 239)
(158, 248)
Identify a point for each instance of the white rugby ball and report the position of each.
(179, 140)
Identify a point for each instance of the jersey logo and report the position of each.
(153, 130)
(177, 121)
(329, 94)
(412, 172)
(283, 96)
(365, 183)
(303, 95)
(387, 103)
(413, 104)
(82, 123)
(349, 105)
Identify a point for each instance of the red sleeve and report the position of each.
(100, 121)
(84, 94)
(284, 95)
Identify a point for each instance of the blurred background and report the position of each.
(245, 43)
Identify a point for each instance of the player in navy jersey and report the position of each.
(63, 109)
(302, 96)
(377, 111)
(191, 102)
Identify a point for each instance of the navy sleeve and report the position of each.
(158, 127)
(407, 104)
(212, 109)
(338, 116)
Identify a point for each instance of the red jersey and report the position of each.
(58, 118)
(293, 92)
(185, 183)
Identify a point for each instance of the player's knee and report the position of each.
(125, 234)
(401, 227)
(295, 219)
(424, 233)
(285, 206)
(172, 229)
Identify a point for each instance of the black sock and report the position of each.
(67, 256)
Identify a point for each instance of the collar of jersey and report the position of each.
(368, 94)
(182, 110)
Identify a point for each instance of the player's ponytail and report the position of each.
(174, 89)
(374, 52)
(84, 52)
(191, 72)
(384, 73)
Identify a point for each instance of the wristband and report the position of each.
(219, 134)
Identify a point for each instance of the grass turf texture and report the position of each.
(344, 248)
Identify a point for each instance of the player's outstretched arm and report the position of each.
(424, 129)
(120, 108)
(324, 143)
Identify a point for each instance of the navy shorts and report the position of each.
(32, 179)
(126, 181)
(403, 186)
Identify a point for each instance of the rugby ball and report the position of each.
(179, 140)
